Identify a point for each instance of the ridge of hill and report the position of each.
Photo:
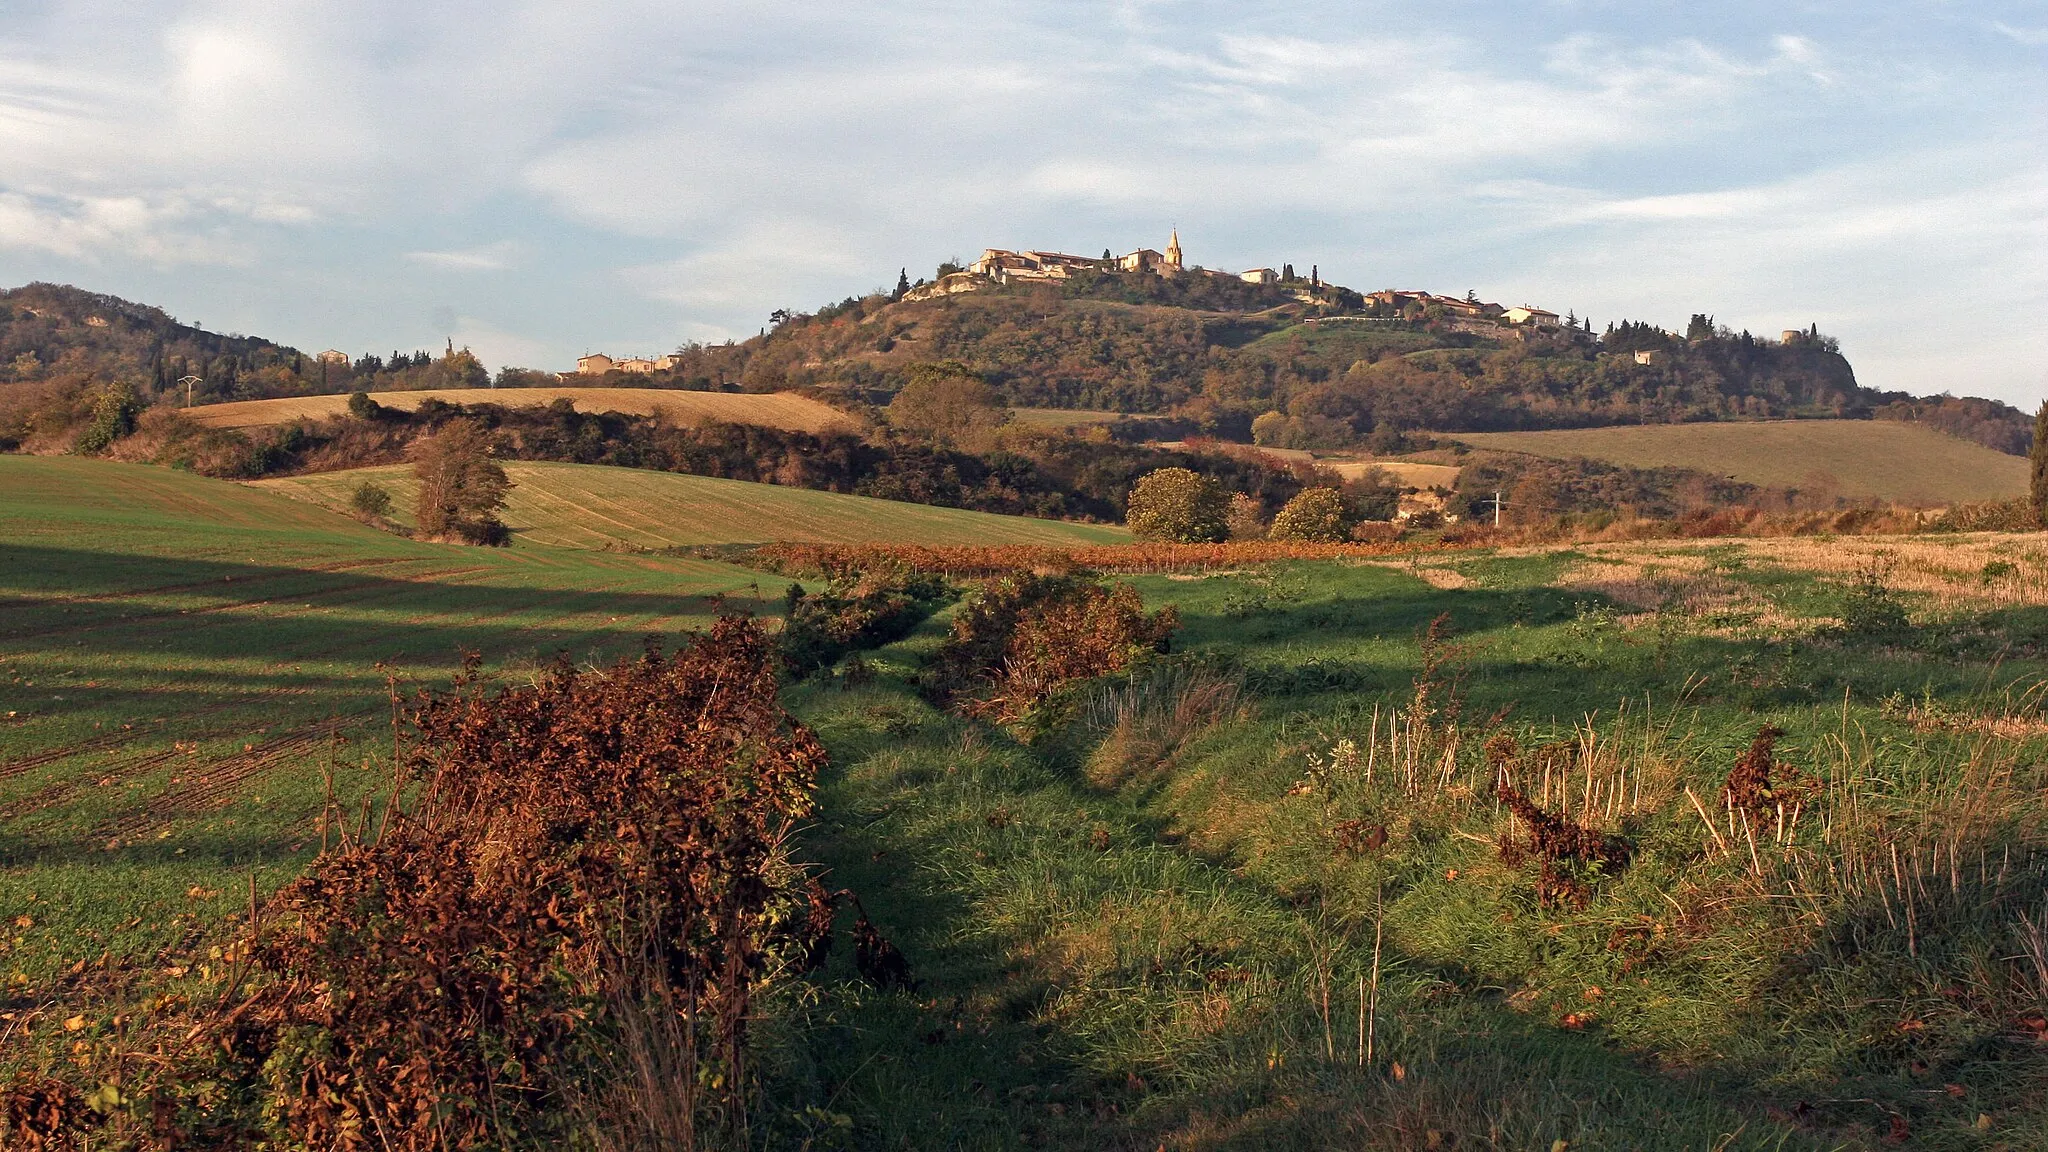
(769, 410)
(1311, 367)
(595, 506)
(1321, 375)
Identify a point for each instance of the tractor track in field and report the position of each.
(280, 574)
(213, 785)
(111, 740)
(44, 633)
(57, 794)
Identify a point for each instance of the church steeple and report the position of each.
(1173, 250)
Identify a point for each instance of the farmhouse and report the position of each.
(1532, 317)
(597, 364)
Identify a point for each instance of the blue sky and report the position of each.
(537, 180)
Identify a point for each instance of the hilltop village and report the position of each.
(1002, 268)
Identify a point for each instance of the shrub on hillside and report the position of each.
(1317, 515)
(1024, 636)
(856, 610)
(370, 500)
(113, 416)
(1179, 506)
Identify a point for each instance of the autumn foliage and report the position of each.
(1003, 560)
(593, 866)
(1023, 636)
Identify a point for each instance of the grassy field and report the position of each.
(1286, 921)
(773, 410)
(590, 506)
(1405, 472)
(1062, 417)
(1884, 459)
(1250, 897)
(184, 657)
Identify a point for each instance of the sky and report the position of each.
(538, 180)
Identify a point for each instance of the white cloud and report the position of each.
(687, 167)
(101, 226)
(487, 258)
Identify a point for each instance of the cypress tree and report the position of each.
(2037, 465)
(902, 283)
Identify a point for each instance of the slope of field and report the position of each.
(1406, 473)
(1857, 458)
(591, 506)
(183, 658)
(774, 410)
(1062, 417)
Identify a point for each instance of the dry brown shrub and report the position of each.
(1003, 560)
(430, 984)
(1566, 850)
(1024, 636)
(42, 1114)
(1759, 781)
(559, 937)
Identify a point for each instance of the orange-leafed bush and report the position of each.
(1001, 560)
(1025, 635)
(557, 940)
(431, 985)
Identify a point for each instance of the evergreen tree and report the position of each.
(1106, 257)
(2037, 465)
(902, 284)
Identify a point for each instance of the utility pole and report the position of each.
(1496, 507)
(188, 382)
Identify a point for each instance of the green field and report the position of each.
(590, 506)
(1136, 923)
(183, 656)
(1884, 459)
(1141, 928)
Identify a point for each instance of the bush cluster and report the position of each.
(592, 860)
(1024, 636)
(856, 609)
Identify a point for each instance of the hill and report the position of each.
(1319, 366)
(1884, 459)
(590, 506)
(778, 410)
(1219, 364)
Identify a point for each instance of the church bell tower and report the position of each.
(1173, 251)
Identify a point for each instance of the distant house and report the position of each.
(639, 364)
(1468, 309)
(1647, 356)
(595, 364)
(1259, 276)
(1532, 317)
(95, 321)
(333, 356)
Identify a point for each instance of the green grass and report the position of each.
(182, 658)
(1885, 459)
(1132, 950)
(591, 506)
(1128, 941)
